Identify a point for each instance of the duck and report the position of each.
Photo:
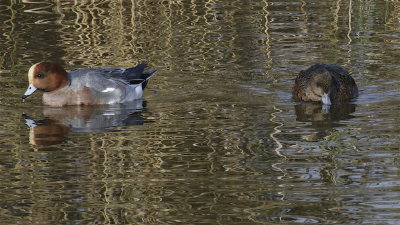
(86, 86)
(324, 83)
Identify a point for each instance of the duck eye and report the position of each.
(40, 75)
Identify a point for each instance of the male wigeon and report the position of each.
(325, 83)
(87, 86)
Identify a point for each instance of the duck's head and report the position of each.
(321, 85)
(46, 76)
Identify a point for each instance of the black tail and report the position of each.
(136, 75)
(134, 72)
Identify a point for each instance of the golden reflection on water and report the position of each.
(103, 31)
(117, 32)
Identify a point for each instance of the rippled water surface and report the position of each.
(217, 138)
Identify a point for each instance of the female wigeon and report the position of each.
(324, 83)
(87, 86)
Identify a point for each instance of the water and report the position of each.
(217, 138)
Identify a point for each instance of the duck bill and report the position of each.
(29, 91)
(326, 100)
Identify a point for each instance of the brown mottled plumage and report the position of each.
(324, 83)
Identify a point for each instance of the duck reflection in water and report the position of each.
(59, 121)
(330, 85)
(323, 119)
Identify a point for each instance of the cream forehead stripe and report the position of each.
(30, 72)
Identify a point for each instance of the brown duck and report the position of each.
(326, 83)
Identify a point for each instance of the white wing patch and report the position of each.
(108, 89)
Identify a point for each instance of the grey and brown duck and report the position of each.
(325, 83)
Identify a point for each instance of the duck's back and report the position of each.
(346, 87)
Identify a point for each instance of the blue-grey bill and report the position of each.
(325, 99)
(29, 91)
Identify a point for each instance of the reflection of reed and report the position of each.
(349, 23)
(268, 60)
(120, 178)
(277, 131)
(100, 31)
(336, 17)
(277, 150)
(8, 16)
(88, 27)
